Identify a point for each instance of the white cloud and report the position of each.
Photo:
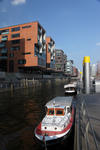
(17, 2)
(98, 44)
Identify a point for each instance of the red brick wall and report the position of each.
(25, 46)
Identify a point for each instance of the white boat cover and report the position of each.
(69, 85)
(62, 101)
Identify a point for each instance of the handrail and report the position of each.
(96, 144)
(84, 131)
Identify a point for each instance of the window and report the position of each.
(15, 48)
(36, 50)
(51, 111)
(15, 35)
(29, 39)
(4, 54)
(60, 112)
(24, 27)
(26, 53)
(59, 57)
(11, 55)
(5, 36)
(49, 50)
(21, 61)
(15, 41)
(15, 29)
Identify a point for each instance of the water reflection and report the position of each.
(21, 112)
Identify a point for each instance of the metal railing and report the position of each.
(84, 131)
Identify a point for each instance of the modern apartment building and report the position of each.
(60, 60)
(50, 53)
(22, 47)
(69, 67)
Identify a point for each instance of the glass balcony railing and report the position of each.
(39, 43)
(4, 39)
(5, 33)
(2, 45)
(40, 30)
(43, 41)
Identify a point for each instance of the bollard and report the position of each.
(86, 74)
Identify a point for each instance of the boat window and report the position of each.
(50, 111)
(60, 112)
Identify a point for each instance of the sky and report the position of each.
(74, 25)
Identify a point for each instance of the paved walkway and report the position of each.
(88, 122)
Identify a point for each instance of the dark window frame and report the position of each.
(15, 35)
(15, 41)
(27, 53)
(25, 27)
(15, 29)
(21, 61)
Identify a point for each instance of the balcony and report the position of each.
(40, 30)
(4, 39)
(51, 43)
(39, 43)
(2, 45)
(5, 33)
(40, 51)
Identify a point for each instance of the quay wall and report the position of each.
(11, 85)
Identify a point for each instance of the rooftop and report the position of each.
(60, 102)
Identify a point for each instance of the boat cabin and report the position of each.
(59, 106)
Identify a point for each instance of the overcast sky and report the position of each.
(73, 24)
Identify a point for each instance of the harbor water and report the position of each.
(22, 110)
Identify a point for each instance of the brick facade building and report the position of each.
(22, 48)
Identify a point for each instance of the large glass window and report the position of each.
(15, 35)
(15, 29)
(15, 48)
(15, 41)
(21, 61)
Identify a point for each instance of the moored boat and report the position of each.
(57, 123)
(70, 88)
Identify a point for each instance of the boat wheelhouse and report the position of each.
(58, 121)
